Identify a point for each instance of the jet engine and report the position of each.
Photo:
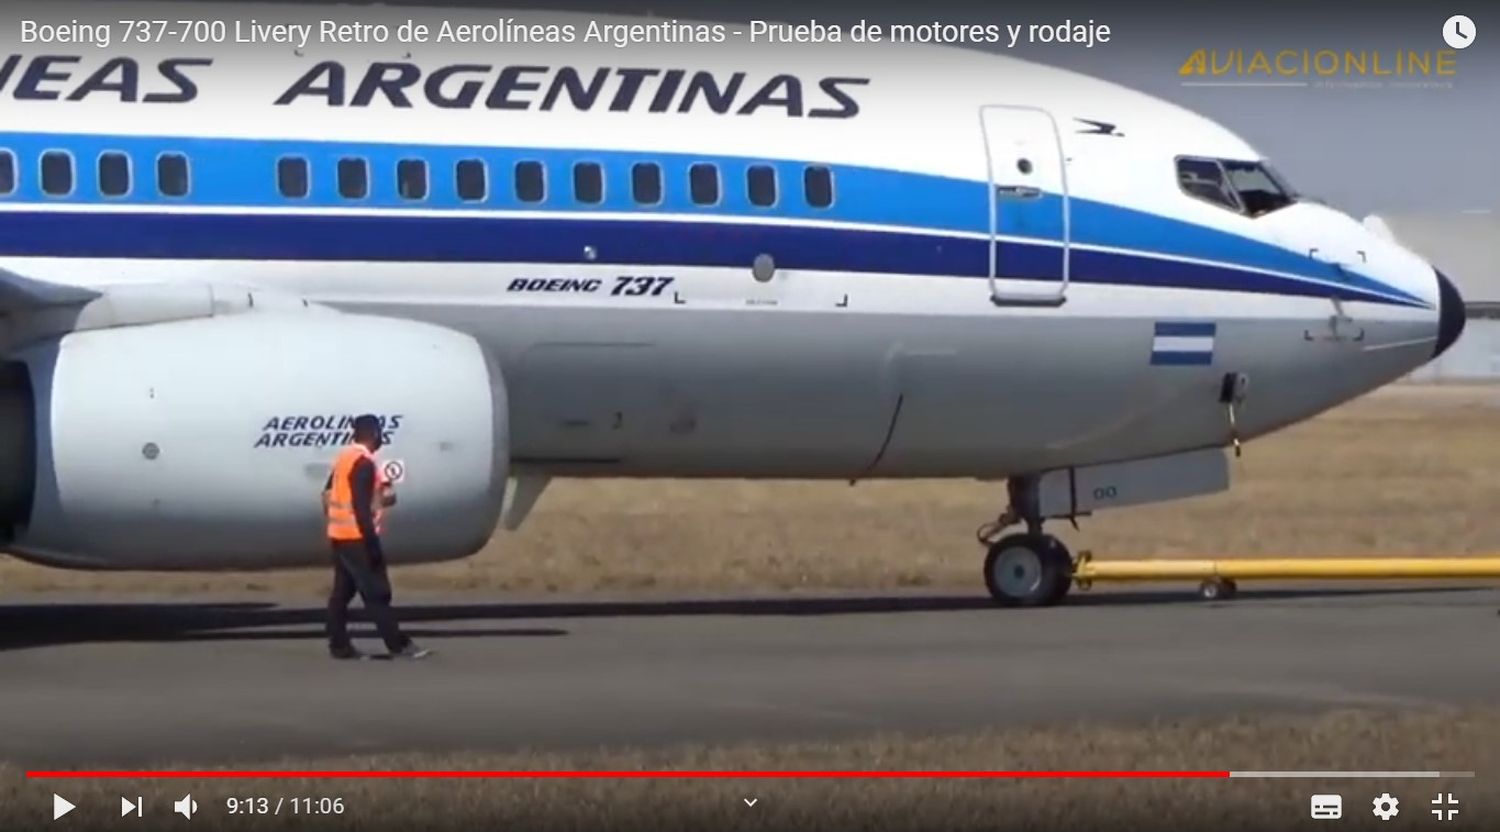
(206, 443)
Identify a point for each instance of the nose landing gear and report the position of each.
(1218, 589)
(1028, 569)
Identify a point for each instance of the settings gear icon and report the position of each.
(1386, 807)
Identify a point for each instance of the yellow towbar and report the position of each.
(1218, 576)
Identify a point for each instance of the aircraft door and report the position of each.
(1029, 222)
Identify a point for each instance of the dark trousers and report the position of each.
(354, 572)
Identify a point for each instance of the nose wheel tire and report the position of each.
(1028, 570)
(1217, 589)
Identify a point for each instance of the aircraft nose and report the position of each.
(1451, 314)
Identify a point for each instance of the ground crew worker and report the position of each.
(355, 500)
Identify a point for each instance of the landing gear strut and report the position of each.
(1029, 569)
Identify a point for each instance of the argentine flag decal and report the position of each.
(1183, 344)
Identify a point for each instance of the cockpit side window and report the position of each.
(1258, 187)
(1250, 188)
(1205, 179)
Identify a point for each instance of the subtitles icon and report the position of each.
(1327, 806)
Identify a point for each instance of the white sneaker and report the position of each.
(411, 651)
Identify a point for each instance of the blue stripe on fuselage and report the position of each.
(626, 242)
(229, 173)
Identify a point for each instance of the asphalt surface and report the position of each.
(87, 684)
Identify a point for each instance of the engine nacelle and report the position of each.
(205, 444)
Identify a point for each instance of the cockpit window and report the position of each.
(1205, 179)
(1258, 187)
(1279, 180)
(1251, 188)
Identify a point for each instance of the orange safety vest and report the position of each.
(340, 497)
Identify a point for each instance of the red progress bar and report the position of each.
(629, 775)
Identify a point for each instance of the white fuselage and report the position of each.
(974, 266)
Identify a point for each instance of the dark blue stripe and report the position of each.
(1186, 328)
(630, 242)
(1182, 359)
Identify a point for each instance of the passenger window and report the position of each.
(172, 174)
(7, 172)
(472, 180)
(703, 182)
(817, 186)
(292, 178)
(588, 183)
(354, 178)
(1204, 179)
(645, 183)
(531, 182)
(57, 173)
(114, 174)
(411, 178)
(761, 182)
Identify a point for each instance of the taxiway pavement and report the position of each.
(155, 681)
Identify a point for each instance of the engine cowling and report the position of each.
(205, 444)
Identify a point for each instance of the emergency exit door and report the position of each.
(1029, 222)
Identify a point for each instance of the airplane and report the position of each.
(558, 258)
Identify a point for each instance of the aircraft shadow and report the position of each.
(43, 624)
(816, 605)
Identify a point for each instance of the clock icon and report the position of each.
(1458, 31)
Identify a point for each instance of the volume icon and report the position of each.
(186, 807)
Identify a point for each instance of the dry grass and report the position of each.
(1406, 471)
(1449, 741)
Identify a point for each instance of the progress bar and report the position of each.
(752, 775)
(1351, 775)
(669, 774)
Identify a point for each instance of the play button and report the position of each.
(60, 806)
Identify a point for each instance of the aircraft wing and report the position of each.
(18, 294)
(32, 310)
